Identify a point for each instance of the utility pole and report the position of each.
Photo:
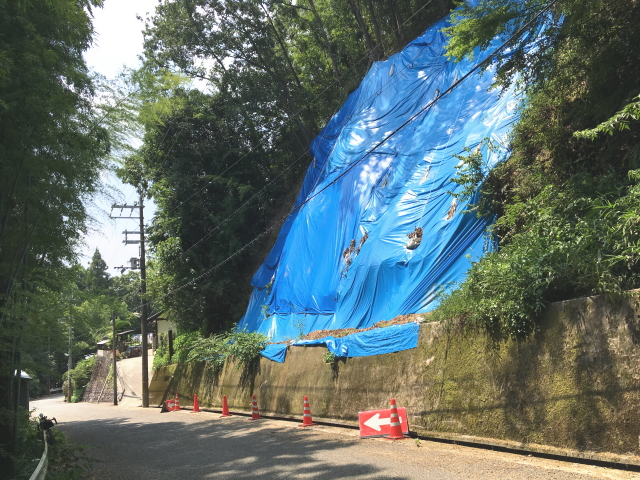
(69, 360)
(143, 291)
(115, 372)
(143, 318)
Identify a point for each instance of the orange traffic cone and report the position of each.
(196, 405)
(395, 430)
(307, 421)
(255, 414)
(176, 403)
(225, 407)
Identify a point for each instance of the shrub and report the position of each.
(213, 349)
(246, 346)
(77, 395)
(564, 242)
(330, 357)
(192, 347)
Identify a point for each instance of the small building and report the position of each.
(103, 347)
(162, 327)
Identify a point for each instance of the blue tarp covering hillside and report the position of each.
(343, 260)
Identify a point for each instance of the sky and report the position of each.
(118, 43)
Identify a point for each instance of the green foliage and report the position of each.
(567, 210)
(80, 377)
(471, 172)
(192, 347)
(213, 349)
(82, 372)
(246, 346)
(161, 359)
(68, 460)
(329, 357)
(29, 447)
(77, 395)
(183, 344)
(620, 122)
(577, 242)
(476, 25)
(98, 280)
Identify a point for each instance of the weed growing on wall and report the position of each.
(246, 346)
(329, 357)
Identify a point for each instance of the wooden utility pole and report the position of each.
(143, 290)
(115, 372)
(70, 359)
(143, 318)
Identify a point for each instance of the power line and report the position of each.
(303, 155)
(390, 82)
(368, 153)
(308, 104)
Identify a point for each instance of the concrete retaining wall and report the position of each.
(573, 387)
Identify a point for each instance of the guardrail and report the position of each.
(40, 472)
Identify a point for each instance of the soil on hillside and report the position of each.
(343, 332)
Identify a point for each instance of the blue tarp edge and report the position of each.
(276, 352)
(371, 342)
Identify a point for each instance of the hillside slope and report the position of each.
(376, 230)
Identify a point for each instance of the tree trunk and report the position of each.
(263, 64)
(327, 42)
(444, 7)
(395, 22)
(365, 31)
(283, 47)
(376, 29)
(6, 426)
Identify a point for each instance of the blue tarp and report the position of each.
(276, 352)
(371, 342)
(342, 259)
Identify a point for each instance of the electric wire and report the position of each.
(390, 82)
(424, 109)
(307, 105)
(295, 162)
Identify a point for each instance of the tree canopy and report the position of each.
(566, 206)
(52, 147)
(225, 164)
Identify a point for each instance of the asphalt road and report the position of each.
(133, 443)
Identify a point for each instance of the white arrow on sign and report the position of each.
(376, 422)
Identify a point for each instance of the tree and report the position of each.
(98, 280)
(277, 71)
(52, 149)
(197, 198)
(566, 208)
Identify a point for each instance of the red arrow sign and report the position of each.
(375, 423)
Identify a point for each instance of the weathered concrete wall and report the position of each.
(574, 385)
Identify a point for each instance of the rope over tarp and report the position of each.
(379, 232)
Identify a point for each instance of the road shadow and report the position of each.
(232, 448)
